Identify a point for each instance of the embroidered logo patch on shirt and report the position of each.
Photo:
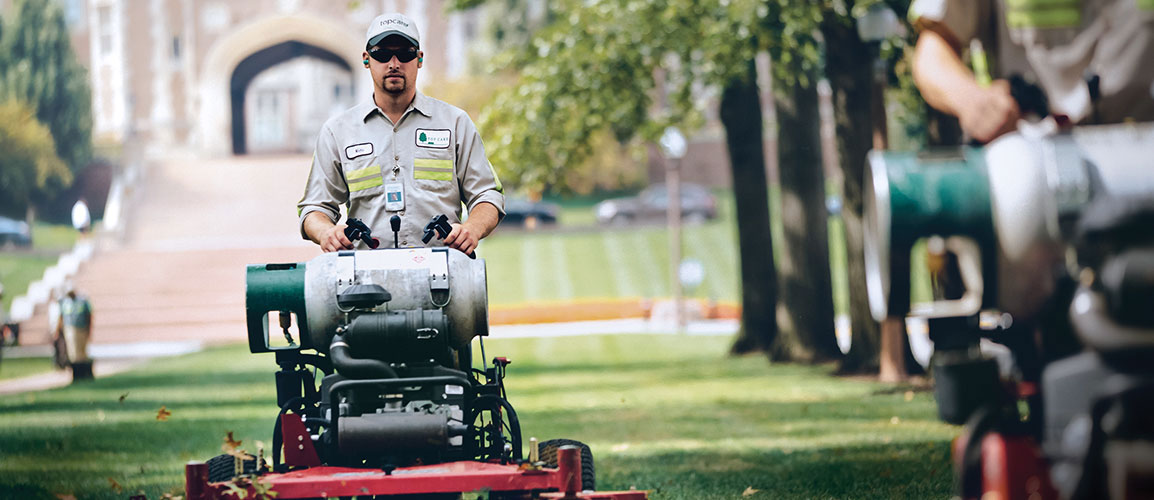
(433, 138)
(359, 150)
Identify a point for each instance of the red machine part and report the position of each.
(454, 477)
(1012, 468)
(298, 445)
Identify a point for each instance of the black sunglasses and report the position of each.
(385, 55)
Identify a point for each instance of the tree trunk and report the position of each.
(741, 116)
(805, 311)
(849, 71)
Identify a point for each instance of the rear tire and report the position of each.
(548, 453)
(223, 468)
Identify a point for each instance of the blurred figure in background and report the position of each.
(9, 332)
(73, 331)
(81, 218)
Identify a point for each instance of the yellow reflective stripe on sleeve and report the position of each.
(496, 179)
(430, 163)
(357, 174)
(365, 184)
(1043, 13)
(432, 175)
(1058, 18)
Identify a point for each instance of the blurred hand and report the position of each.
(990, 112)
(463, 238)
(335, 239)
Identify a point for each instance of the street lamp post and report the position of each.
(673, 145)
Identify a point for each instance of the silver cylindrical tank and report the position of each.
(416, 278)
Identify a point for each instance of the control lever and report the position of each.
(439, 226)
(358, 230)
(395, 223)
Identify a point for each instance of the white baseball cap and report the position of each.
(392, 24)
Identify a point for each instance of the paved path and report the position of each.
(178, 273)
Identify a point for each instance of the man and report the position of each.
(400, 154)
(1092, 58)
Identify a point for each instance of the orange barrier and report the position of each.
(594, 310)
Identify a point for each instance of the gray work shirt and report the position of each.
(1058, 43)
(434, 156)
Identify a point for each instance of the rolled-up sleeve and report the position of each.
(477, 179)
(326, 188)
(963, 18)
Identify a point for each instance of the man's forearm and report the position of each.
(483, 218)
(943, 79)
(316, 226)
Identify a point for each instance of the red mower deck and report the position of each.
(454, 477)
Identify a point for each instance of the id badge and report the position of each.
(394, 196)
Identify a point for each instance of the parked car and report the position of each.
(651, 204)
(520, 212)
(14, 233)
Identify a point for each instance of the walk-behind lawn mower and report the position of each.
(399, 411)
(1054, 240)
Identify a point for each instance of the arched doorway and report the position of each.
(250, 67)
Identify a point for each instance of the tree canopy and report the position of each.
(30, 165)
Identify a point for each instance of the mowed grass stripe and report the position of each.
(624, 283)
(535, 269)
(589, 267)
(506, 279)
(559, 255)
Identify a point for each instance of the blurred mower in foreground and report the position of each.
(398, 409)
(1054, 239)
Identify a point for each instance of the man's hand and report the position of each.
(991, 113)
(463, 238)
(331, 237)
(335, 239)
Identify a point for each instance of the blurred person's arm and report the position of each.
(984, 112)
(481, 190)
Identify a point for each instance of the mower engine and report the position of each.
(391, 331)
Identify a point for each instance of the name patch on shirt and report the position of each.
(359, 150)
(433, 138)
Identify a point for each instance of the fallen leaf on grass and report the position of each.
(749, 491)
(163, 414)
(909, 396)
(231, 446)
(112, 483)
(62, 496)
(123, 397)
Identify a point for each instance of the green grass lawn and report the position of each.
(681, 419)
(22, 367)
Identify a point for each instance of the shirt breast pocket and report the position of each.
(364, 178)
(434, 171)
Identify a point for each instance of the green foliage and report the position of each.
(42, 71)
(30, 168)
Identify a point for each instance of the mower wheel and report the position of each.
(223, 467)
(548, 453)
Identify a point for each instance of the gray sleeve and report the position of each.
(326, 188)
(476, 177)
(963, 18)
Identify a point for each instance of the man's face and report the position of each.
(390, 73)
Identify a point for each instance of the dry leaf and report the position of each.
(163, 414)
(749, 491)
(232, 447)
(909, 396)
(112, 483)
(63, 496)
(123, 397)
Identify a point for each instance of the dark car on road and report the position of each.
(520, 212)
(651, 204)
(14, 233)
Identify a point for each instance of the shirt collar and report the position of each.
(421, 103)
